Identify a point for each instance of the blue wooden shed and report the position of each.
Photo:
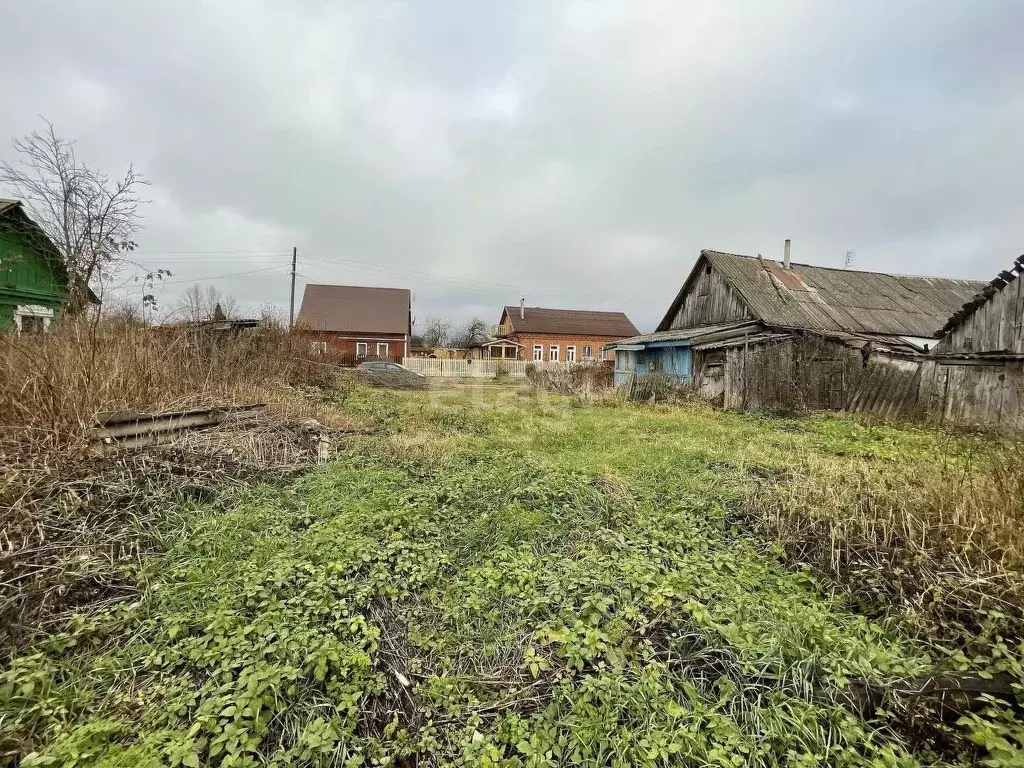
(667, 352)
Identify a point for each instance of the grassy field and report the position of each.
(492, 579)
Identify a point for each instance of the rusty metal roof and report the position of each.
(690, 335)
(578, 322)
(827, 299)
(355, 308)
(727, 335)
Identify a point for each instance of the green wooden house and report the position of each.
(33, 278)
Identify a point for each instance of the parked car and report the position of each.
(381, 373)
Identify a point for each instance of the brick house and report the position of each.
(357, 323)
(556, 335)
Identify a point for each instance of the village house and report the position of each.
(357, 323)
(33, 276)
(556, 335)
(750, 332)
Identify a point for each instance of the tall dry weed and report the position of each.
(940, 543)
(52, 386)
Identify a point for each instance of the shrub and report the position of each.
(586, 380)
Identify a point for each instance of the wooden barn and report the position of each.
(750, 332)
(974, 375)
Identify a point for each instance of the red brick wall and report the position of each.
(343, 346)
(596, 344)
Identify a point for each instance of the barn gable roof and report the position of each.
(815, 298)
(990, 289)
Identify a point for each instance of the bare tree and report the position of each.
(437, 332)
(90, 218)
(474, 332)
(198, 305)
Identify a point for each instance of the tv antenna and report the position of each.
(848, 258)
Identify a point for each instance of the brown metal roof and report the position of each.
(355, 308)
(6, 203)
(580, 322)
(826, 299)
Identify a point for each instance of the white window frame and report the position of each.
(379, 345)
(319, 347)
(570, 353)
(365, 349)
(33, 310)
(588, 352)
(553, 353)
(538, 352)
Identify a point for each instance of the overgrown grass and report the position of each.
(493, 580)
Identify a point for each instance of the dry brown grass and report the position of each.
(940, 543)
(52, 386)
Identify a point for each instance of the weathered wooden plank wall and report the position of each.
(814, 374)
(710, 301)
(950, 392)
(802, 373)
(997, 325)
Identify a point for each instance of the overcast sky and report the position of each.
(579, 154)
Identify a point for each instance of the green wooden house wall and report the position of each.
(28, 277)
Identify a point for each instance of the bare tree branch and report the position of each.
(90, 219)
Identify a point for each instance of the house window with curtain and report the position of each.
(553, 353)
(382, 349)
(570, 354)
(360, 349)
(588, 352)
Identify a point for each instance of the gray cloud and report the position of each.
(580, 154)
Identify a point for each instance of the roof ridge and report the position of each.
(350, 285)
(559, 309)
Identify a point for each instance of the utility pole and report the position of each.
(291, 309)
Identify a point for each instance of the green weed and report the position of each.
(489, 581)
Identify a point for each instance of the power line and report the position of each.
(447, 280)
(137, 278)
(326, 260)
(276, 252)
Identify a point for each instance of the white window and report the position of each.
(538, 352)
(553, 353)
(588, 352)
(360, 349)
(319, 347)
(382, 349)
(570, 354)
(32, 318)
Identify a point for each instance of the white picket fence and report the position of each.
(474, 369)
